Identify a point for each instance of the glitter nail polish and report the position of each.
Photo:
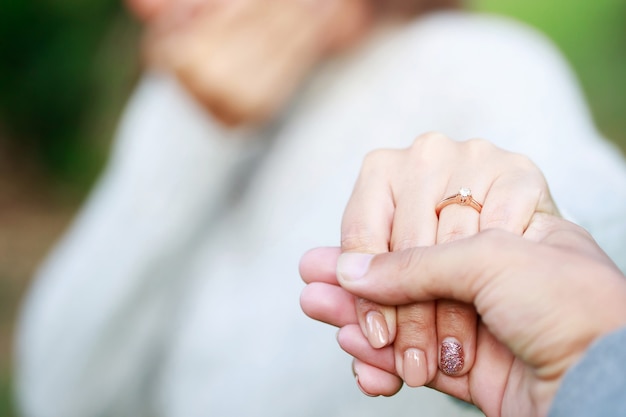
(451, 359)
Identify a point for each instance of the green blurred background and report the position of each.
(67, 66)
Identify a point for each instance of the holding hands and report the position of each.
(394, 206)
(509, 262)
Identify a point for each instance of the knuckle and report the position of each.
(479, 149)
(409, 262)
(377, 160)
(416, 326)
(454, 317)
(479, 143)
(425, 148)
(363, 305)
(414, 317)
(524, 162)
(430, 137)
(358, 240)
(497, 217)
(401, 242)
(501, 221)
(452, 235)
(427, 141)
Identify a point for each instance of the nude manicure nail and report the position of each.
(414, 368)
(376, 327)
(451, 358)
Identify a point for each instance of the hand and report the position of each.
(393, 208)
(542, 299)
(242, 59)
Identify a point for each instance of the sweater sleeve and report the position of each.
(99, 301)
(596, 386)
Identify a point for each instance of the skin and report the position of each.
(392, 209)
(543, 299)
(243, 59)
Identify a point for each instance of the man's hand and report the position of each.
(542, 299)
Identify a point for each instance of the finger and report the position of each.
(513, 199)
(366, 227)
(560, 233)
(328, 303)
(490, 373)
(415, 348)
(351, 340)
(457, 222)
(377, 322)
(483, 384)
(455, 271)
(456, 322)
(320, 265)
(373, 381)
(415, 224)
(456, 334)
(459, 217)
(416, 192)
(368, 217)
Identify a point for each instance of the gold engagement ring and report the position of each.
(463, 198)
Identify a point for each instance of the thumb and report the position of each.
(457, 271)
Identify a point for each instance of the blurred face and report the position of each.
(147, 10)
(242, 59)
(356, 17)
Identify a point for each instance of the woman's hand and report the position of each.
(243, 59)
(542, 299)
(393, 207)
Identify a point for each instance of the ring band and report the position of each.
(463, 198)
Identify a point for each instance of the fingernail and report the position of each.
(352, 266)
(451, 359)
(377, 332)
(414, 368)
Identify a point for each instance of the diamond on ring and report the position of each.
(463, 197)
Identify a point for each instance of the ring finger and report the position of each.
(456, 322)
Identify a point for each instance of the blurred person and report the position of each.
(170, 295)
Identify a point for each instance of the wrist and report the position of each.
(595, 384)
